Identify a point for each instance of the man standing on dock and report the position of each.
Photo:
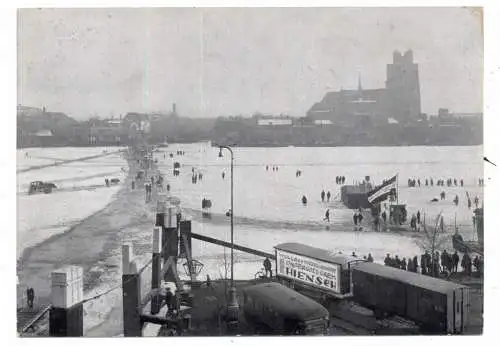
(268, 267)
(455, 260)
(169, 300)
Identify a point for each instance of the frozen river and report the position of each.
(267, 207)
(267, 196)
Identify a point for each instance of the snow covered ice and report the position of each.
(267, 205)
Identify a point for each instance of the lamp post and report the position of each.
(233, 307)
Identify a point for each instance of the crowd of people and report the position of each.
(437, 264)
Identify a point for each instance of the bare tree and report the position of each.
(223, 276)
(434, 238)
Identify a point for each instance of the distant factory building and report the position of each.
(399, 100)
(105, 135)
(323, 122)
(44, 133)
(274, 122)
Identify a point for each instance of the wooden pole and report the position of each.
(164, 242)
(160, 213)
(131, 288)
(170, 217)
(66, 313)
(185, 246)
(171, 253)
(156, 270)
(184, 238)
(236, 246)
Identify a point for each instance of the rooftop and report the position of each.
(287, 301)
(419, 280)
(316, 253)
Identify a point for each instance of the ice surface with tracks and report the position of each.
(80, 190)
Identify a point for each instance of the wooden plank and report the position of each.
(236, 246)
(28, 318)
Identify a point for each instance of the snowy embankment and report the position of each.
(80, 190)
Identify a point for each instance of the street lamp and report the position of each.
(233, 303)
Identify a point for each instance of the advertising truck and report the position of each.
(319, 271)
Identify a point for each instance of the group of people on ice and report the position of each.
(357, 218)
(412, 182)
(340, 180)
(196, 176)
(328, 195)
(275, 168)
(456, 200)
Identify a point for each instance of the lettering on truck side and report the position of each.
(311, 271)
(317, 280)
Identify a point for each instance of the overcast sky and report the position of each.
(215, 62)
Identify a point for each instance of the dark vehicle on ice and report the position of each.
(276, 309)
(41, 187)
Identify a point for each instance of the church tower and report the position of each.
(403, 87)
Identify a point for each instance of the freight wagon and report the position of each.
(314, 270)
(439, 306)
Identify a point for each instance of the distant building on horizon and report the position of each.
(399, 100)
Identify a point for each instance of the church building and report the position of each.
(398, 101)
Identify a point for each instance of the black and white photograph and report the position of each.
(250, 171)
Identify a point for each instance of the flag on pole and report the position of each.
(382, 192)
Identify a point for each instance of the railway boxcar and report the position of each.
(437, 305)
(319, 271)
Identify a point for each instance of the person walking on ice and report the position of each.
(327, 216)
